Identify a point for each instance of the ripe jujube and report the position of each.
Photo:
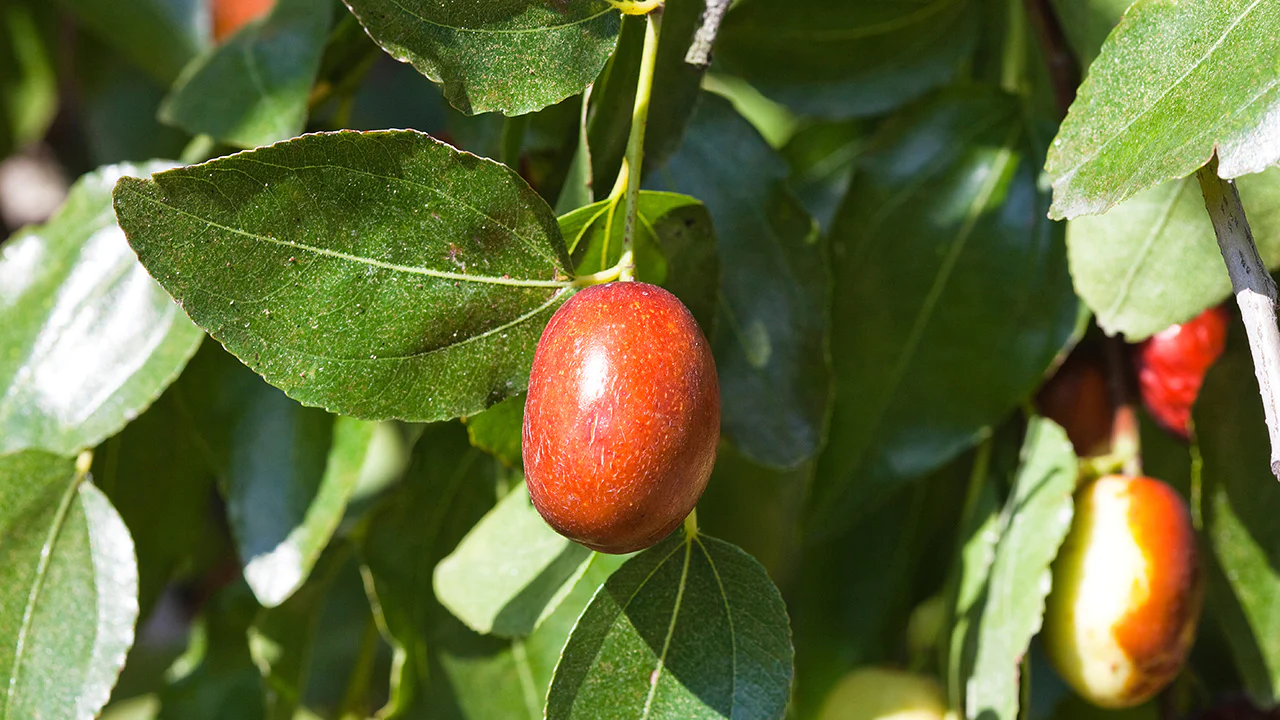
(1172, 365)
(622, 418)
(1127, 591)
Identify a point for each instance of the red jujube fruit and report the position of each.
(622, 418)
(231, 15)
(1172, 364)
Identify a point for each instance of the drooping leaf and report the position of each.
(771, 334)
(28, 79)
(68, 590)
(821, 156)
(254, 89)
(159, 36)
(944, 201)
(677, 85)
(690, 628)
(378, 275)
(846, 58)
(612, 101)
(89, 338)
(448, 488)
(1174, 82)
(675, 246)
(286, 471)
(510, 572)
(1239, 506)
(1153, 260)
(1032, 526)
(512, 56)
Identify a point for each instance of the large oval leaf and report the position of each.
(690, 628)
(159, 36)
(68, 590)
(943, 205)
(838, 59)
(512, 56)
(377, 275)
(1174, 82)
(1153, 260)
(89, 339)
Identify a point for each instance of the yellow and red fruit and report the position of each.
(1127, 591)
(1172, 365)
(622, 418)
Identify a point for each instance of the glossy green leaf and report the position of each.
(89, 340)
(1032, 526)
(690, 628)
(254, 89)
(944, 201)
(1241, 500)
(448, 488)
(512, 56)
(159, 475)
(821, 156)
(28, 80)
(1174, 82)
(677, 85)
(498, 430)
(286, 471)
(675, 246)
(837, 59)
(68, 590)
(159, 36)
(1153, 260)
(510, 572)
(771, 336)
(378, 275)
(216, 678)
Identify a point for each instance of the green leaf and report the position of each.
(510, 572)
(1153, 260)
(677, 85)
(378, 275)
(68, 590)
(690, 628)
(28, 77)
(89, 339)
(771, 336)
(448, 488)
(1173, 83)
(846, 58)
(286, 471)
(512, 56)
(158, 474)
(1240, 503)
(254, 89)
(216, 678)
(159, 36)
(945, 200)
(498, 430)
(1033, 525)
(1087, 24)
(675, 246)
(821, 156)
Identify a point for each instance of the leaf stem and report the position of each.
(634, 159)
(1255, 292)
(691, 525)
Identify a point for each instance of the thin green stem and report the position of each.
(691, 525)
(634, 160)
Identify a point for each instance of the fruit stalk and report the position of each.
(1254, 289)
(632, 163)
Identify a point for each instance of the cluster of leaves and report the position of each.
(259, 500)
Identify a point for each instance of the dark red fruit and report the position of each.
(230, 15)
(622, 418)
(1078, 399)
(1172, 364)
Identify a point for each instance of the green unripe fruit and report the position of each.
(883, 694)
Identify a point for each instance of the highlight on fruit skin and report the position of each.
(1172, 364)
(622, 419)
(1127, 592)
(885, 694)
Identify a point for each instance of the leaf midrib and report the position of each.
(491, 31)
(671, 629)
